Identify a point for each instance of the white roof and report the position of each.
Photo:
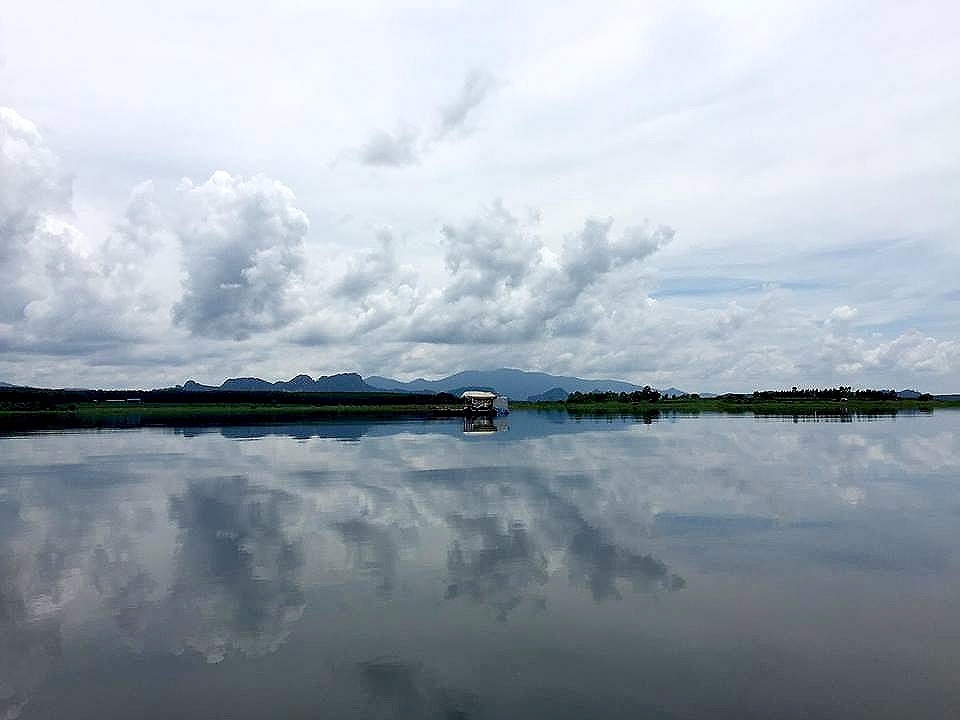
(479, 394)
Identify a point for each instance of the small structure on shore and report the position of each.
(484, 402)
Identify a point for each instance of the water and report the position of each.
(708, 567)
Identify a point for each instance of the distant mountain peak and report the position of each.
(514, 383)
(341, 382)
(517, 384)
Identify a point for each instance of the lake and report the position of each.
(691, 567)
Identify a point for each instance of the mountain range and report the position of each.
(516, 384)
(342, 382)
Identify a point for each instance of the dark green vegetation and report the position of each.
(830, 402)
(32, 408)
(26, 408)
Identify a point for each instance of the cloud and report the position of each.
(32, 188)
(842, 314)
(242, 243)
(139, 232)
(406, 145)
(60, 292)
(369, 271)
(73, 307)
(753, 148)
(488, 253)
(911, 351)
(591, 254)
(500, 288)
(395, 149)
(31, 183)
(454, 115)
(504, 283)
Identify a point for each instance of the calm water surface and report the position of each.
(707, 567)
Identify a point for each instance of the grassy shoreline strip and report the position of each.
(96, 415)
(748, 405)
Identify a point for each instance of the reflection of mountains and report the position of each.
(349, 431)
(522, 425)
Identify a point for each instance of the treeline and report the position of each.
(842, 392)
(41, 398)
(647, 394)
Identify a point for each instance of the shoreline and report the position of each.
(94, 415)
(120, 415)
(760, 407)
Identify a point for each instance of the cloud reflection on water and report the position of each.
(216, 548)
(237, 586)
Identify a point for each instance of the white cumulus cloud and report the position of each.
(242, 243)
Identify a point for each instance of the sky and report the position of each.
(717, 196)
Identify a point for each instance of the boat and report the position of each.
(484, 402)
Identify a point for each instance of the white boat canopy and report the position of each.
(478, 395)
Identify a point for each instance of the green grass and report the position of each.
(745, 405)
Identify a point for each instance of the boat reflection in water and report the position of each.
(484, 424)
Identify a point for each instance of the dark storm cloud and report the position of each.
(242, 252)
